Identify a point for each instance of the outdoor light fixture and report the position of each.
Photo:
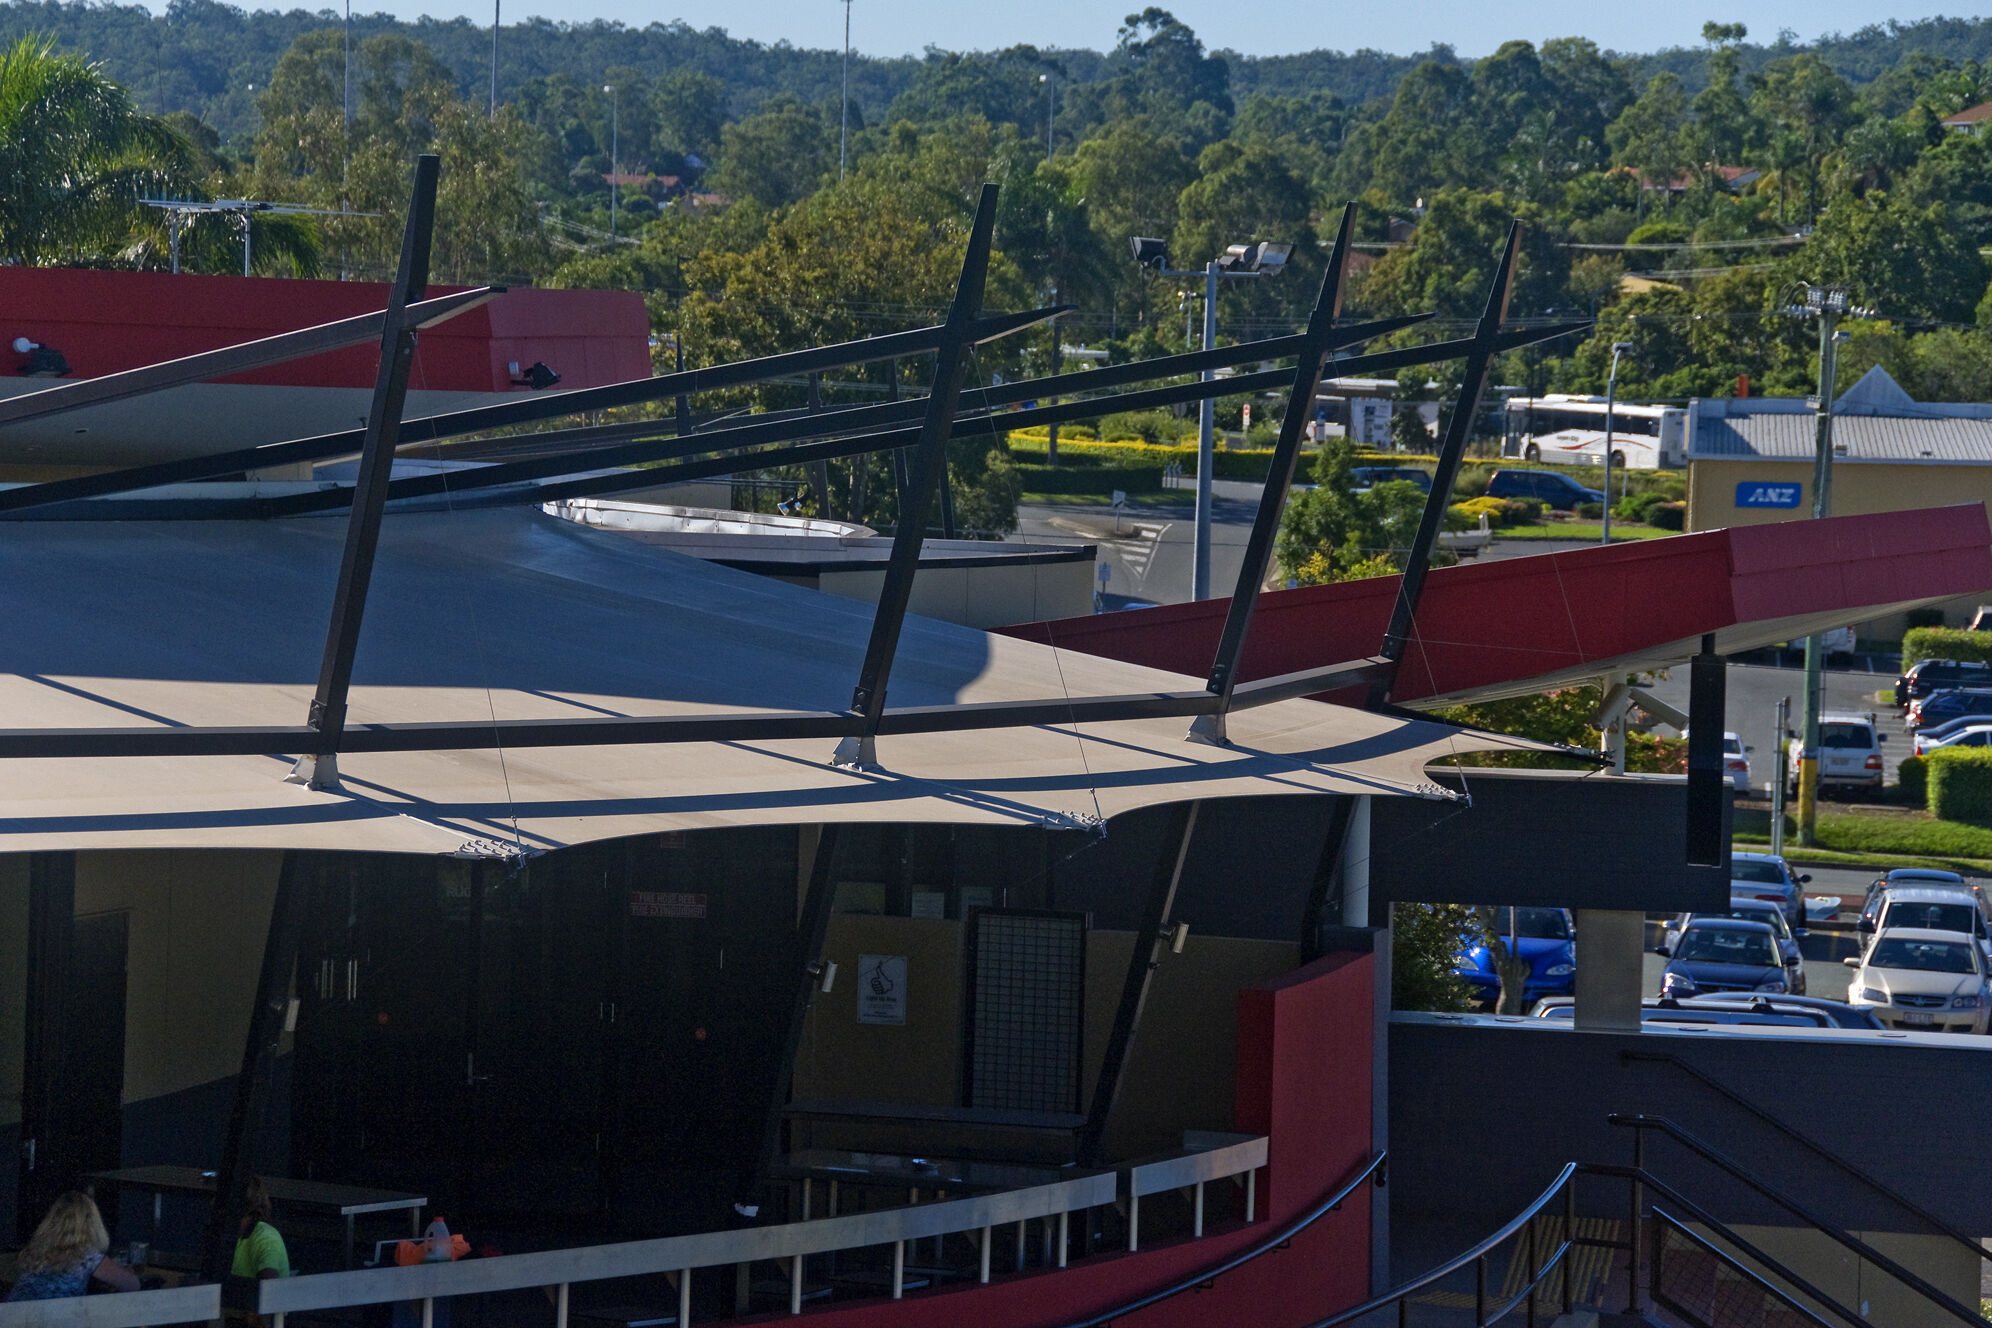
(539, 377)
(1266, 258)
(42, 362)
(1151, 252)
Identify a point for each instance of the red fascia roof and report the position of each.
(107, 321)
(1520, 625)
(1970, 115)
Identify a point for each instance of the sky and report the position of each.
(1254, 27)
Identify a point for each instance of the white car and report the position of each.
(1736, 762)
(1923, 981)
(1932, 907)
(1768, 876)
(1971, 735)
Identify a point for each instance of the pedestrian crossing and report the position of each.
(1134, 551)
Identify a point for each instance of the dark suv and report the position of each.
(1542, 486)
(1367, 477)
(1931, 675)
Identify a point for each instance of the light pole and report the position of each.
(615, 151)
(1050, 110)
(1239, 260)
(494, 55)
(844, 126)
(347, 52)
(1611, 405)
(1827, 304)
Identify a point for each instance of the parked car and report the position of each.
(1718, 954)
(1839, 1014)
(1542, 486)
(1768, 876)
(1543, 936)
(1951, 703)
(1849, 754)
(1748, 908)
(1765, 1010)
(1932, 908)
(1924, 981)
(1929, 675)
(1368, 477)
(1971, 735)
(1736, 762)
(1931, 736)
(1900, 877)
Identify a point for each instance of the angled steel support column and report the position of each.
(44, 1068)
(1149, 944)
(930, 460)
(259, 1052)
(1486, 341)
(319, 767)
(811, 924)
(1313, 353)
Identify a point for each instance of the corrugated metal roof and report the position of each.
(1789, 436)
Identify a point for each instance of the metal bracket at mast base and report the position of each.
(1208, 729)
(320, 773)
(857, 752)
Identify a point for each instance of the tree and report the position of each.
(690, 110)
(1346, 530)
(1430, 139)
(76, 155)
(777, 157)
(1425, 944)
(1810, 106)
(1452, 255)
(1655, 137)
(1908, 262)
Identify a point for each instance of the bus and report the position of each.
(1571, 430)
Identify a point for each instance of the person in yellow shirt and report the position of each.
(259, 1251)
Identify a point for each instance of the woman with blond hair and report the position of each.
(66, 1251)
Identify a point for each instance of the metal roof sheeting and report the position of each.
(1790, 435)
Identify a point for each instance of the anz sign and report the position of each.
(1756, 493)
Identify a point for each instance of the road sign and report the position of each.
(1757, 493)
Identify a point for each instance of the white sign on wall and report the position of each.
(881, 989)
(1372, 421)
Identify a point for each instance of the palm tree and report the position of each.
(75, 157)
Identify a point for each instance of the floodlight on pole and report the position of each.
(1611, 408)
(1262, 259)
(844, 123)
(1050, 111)
(175, 208)
(615, 151)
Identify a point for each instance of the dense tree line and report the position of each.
(1675, 199)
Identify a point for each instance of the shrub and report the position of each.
(1923, 618)
(1913, 781)
(1263, 433)
(1150, 426)
(1960, 781)
(1090, 480)
(1946, 643)
(1590, 511)
(1668, 516)
(1499, 511)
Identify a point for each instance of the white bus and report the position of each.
(1571, 430)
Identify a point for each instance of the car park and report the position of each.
(1923, 981)
(1543, 936)
(1542, 486)
(1929, 675)
(1948, 704)
(1748, 908)
(1723, 955)
(1769, 877)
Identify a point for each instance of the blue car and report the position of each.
(1543, 936)
(1721, 954)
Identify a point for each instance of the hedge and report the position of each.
(1946, 643)
(1235, 463)
(1912, 779)
(1961, 784)
(1100, 480)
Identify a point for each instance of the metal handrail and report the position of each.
(1451, 1266)
(1762, 1284)
(678, 1254)
(1796, 1135)
(1206, 1276)
(1723, 1230)
(1726, 1164)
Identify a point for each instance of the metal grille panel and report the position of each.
(1027, 978)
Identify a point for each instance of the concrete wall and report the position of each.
(918, 1062)
(1483, 1112)
(198, 922)
(1858, 487)
(984, 597)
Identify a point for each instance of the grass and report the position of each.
(1868, 837)
(1582, 530)
(1094, 498)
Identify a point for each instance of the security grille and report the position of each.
(1026, 1006)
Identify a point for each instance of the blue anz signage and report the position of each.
(1756, 493)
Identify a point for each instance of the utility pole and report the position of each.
(844, 128)
(615, 151)
(1827, 304)
(1611, 407)
(1206, 433)
(495, 4)
(1778, 776)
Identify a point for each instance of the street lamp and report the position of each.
(844, 126)
(1265, 259)
(1050, 110)
(615, 150)
(495, 4)
(1611, 404)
